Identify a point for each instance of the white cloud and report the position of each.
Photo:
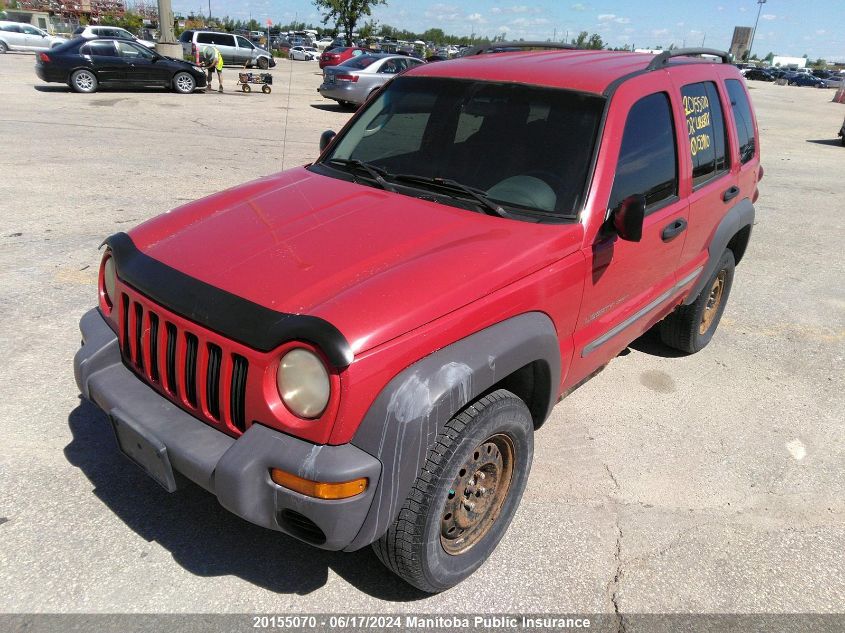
(659, 32)
(769, 16)
(821, 32)
(476, 18)
(612, 17)
(579, 7)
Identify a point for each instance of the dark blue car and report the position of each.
(86, 65)
(804, 79)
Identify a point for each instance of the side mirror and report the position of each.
(628, 218)
(326, 138)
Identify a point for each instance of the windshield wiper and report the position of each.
(376, 173)
(479, 196)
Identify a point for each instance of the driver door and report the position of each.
(142, 68)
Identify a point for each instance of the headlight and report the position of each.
(303, 383)
(109, 279)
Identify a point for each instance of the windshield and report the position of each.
(524, 147)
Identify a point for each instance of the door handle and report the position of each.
(673, 229)
(730, 194)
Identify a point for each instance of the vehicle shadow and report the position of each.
(206, 539)
(333, 107)
(651, 344)
(826, 141)
(55, 88)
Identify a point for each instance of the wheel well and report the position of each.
(532, 384)
(739, 242)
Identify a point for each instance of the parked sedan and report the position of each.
(339, 54)
(758, 74)
(17, 36)
(352, 82)
(304, 53)
(86, 65)
(806, 79)
(90, 32)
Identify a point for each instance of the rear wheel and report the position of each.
(83, 81)
(246, 88)
(266, 89)
(690, 327)
(465, 495)
(3, 47)
(184, 83)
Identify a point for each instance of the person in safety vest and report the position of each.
(211, 59)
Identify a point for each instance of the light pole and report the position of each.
(760, 4)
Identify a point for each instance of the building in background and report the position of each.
(740, 42)
(781, 61)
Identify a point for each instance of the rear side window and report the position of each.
(218, 39)
(360, 62)
(99, 49)
(706, 131)
(744, 121)
(648, 161)
(12, 28)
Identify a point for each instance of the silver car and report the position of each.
(19, 36)
(352, 82)
(235, 49)
(91, 32)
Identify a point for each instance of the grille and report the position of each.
(197, 374)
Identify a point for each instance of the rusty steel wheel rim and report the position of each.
(477, 494)
(714, 300)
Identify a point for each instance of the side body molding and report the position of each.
(413, 408)
(738, 217)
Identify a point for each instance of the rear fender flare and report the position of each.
(738, 217)
(404, 420)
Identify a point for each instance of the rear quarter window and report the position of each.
(746, 134)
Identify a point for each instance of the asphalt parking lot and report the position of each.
(710, 483)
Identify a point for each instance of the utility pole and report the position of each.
(760, 4)
(167, 44)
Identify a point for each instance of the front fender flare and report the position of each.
(409, 413)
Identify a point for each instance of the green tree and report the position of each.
(130, 21)
(346, 13)
(770, 57)
(587, 41)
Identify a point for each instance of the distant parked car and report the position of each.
(806, 79)
(89, 32)
(87, 65)
(355, 80)
(757, 74)
(339, 54)
(18, 36)
(235, 49)
(842, 133)
(324, 42)
(304, 53)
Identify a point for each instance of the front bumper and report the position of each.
(235, 470)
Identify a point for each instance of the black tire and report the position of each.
(263, 63)
(266, 89)
(685, 329)
(3, 48)
(246, 88)
(84, 81)
(842, 140)
(184, 83)
(415, 545)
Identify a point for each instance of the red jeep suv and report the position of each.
(361, 350)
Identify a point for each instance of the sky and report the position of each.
(786, 27)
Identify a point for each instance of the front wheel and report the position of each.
(3, 47)
(184, 83)
(690, 327)
(83, 81)
(465, 495)
(263, 63)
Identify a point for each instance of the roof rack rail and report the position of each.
(504, 46)
(662, 59)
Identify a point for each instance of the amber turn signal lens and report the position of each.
(319, 489)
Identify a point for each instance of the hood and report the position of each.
(372, 263)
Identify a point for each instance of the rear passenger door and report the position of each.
(631, 284)
(708, 176)
(225, 43)
(108, 65)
